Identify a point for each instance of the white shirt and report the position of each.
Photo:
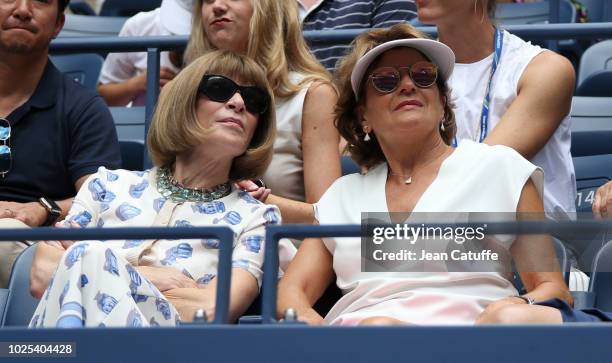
(119, 67)
(469, 82)
(474, 178)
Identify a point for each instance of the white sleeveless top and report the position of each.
(469, 82)
(285, 175)
(474, 178)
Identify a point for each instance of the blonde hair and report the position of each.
(275, 42)
(175, 128)
(346, 119)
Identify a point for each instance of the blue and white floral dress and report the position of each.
(97, 283)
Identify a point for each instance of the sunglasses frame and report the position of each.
(6, 142)
(202, 89)
(398, 74)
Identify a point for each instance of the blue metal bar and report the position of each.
(275, 233)
(224, 234)
(142, 44)
(152, 95)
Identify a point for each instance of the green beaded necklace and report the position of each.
(172, 189)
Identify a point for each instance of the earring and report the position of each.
(442, 128)
(367, 134)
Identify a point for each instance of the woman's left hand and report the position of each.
(257, 192)
(188, 300)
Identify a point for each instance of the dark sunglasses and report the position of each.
(387, 79)
(221, 89)
(5, 149)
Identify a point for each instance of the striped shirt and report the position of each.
(352, 14)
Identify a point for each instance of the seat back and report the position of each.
(601, 278)
(525, 13)
(20, 304)
(88, 26)
(132, 154)
(127, 7)
(349, 166)
(597, 84)
(83, 68)
(591, 173)
(129, 122)
(597, 57)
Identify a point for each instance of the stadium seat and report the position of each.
(88, 26)
(129, 122)
(524, 13)
(591, 126)
(601, 278)
(595, 10)
(132, 154)
(127, 7)
(83, 68)
(598, 84)
(591, 173)
(81, 8)
(20, 304)
(597, 58)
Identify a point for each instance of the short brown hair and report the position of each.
(175, 128)
(346, 118)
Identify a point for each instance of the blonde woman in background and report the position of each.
(306, 156)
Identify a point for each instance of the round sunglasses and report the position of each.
(220, 89)
(387, 79)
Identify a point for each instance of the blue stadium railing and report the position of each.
(154, 45)
(224, 234)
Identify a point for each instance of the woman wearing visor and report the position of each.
(395, 113)
(213, 125)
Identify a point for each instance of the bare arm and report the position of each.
(306, 279)
(535, 256)
(122, 93)
(544, 99)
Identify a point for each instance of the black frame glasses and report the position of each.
(387, 79)
(5, 149)
(220, 89)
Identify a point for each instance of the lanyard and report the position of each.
(498, 43)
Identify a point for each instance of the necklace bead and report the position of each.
(172, 189)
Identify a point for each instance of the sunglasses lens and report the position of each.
(255, 99)
(5, 159)
(218, 88)
(385, 80)
(5, 130)
(424, 74)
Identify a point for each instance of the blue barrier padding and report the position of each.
(296, 344)
(224, 234)
(275, 233)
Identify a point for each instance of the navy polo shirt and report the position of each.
(63, 132)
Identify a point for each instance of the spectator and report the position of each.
(337, 14)
(602, 205)
(528, 99)
(306, 154)
(53, 132)
(395, 112)
(123, 79)
(213, 125)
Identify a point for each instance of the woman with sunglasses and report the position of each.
(306, 156)
(213, 125)
(395, 113)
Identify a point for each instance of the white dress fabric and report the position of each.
(285, 175)
(474, 178)
(94, 278)
(468, 84)
(119, 67)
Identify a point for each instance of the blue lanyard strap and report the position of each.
(498, 43)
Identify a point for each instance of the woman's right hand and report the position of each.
(166, 278)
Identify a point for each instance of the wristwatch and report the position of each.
(53, 210)
(527, 299)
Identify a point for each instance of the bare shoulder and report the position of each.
(321, 90)
(549, 69)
